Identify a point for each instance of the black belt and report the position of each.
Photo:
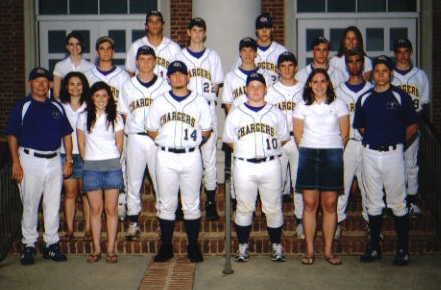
(179, 151)
(214, 102)
(41, 155)
(381, 148)
(142, 134)
(257, 160)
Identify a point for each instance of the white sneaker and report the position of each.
(122, 211)
(300, 233)
(242, 253)
(414, 210)
(338, 231)
(133, 232)
(277, 253)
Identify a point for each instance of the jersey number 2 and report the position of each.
(193, 135)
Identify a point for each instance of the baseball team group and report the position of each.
(320, 131)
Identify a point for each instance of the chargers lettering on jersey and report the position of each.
(411, 90)
(200, 72)
(178, 117)
(140, 103)
(162, 62)
(115, 92)
(238, 92)
(267, 66)
(286, 106)
(255, 128)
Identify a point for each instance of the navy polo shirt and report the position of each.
(385, 116)
(38, 125)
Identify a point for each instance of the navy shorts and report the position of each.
(320, 169)
(93, 180)
(77, 170)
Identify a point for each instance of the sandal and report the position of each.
(93, 258)
(111, 258)
(334, 261)
(308, 260)
(88, 237)
(67, 237)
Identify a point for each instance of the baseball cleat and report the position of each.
(402, 258)
(53, 253)
(133, 232)
(371, 255)
(277, 253)
(242, 253)
(338, 231)
(194, 253)
(27, 258)
(415, 211)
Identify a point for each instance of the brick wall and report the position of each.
(180, 16)
(436, 86)
(12, 74)
(276, 9)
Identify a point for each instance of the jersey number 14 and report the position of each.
(193, 135)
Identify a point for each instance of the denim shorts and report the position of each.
(320, 169)
(93, 180)
(77, 170)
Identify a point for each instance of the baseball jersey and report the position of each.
(256, 134)
(346, 93)
(179, 123)
(114, 79)
(266, 59)
(339, 63)
(38, 125)
(72, 116)
(384, 116)
(337, 77)
(62, 68)
(205, 72)
(285, 98)
(165, 54)
(234, 86)
(100, 141)
(321, 127)
(415, 83)
(135, 100)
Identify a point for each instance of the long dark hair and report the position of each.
(308, 94)
(110, 108)
(360, 44)
(64, 94)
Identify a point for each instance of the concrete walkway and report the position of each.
(424, 272)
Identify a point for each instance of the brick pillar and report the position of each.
(436, 66)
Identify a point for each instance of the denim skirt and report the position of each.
(94, 179)
(77, 169)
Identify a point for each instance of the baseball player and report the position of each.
(179, 121)
(413, 81)
(351, 38)
(349, 92)
(320, 51)
(386, 118)
(256, 131)
(291, 91)
(206, 75)
(115, 77)
(267, 50)
(136, 96)
(165, 48)
(34, 132)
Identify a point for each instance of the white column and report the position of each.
(228, 21)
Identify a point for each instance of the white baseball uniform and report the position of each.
(416, 84)
(179, 124)
(337, 77)
(115, 79)
(266, 60)
(339, 63)
(134, 102)
(165, 54)
(257, 138)
(352, 156)
(286, 102)
(205, 73)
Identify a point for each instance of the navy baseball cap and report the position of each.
(104, 39)
(197, 22)
(39, 72)
(318, 40)
(154, 13)
(256, 77)
(403, 42)
(287, 56)
(248, 42)
(177, 66)
(145, 50)
(384, 60)
(264, 21)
